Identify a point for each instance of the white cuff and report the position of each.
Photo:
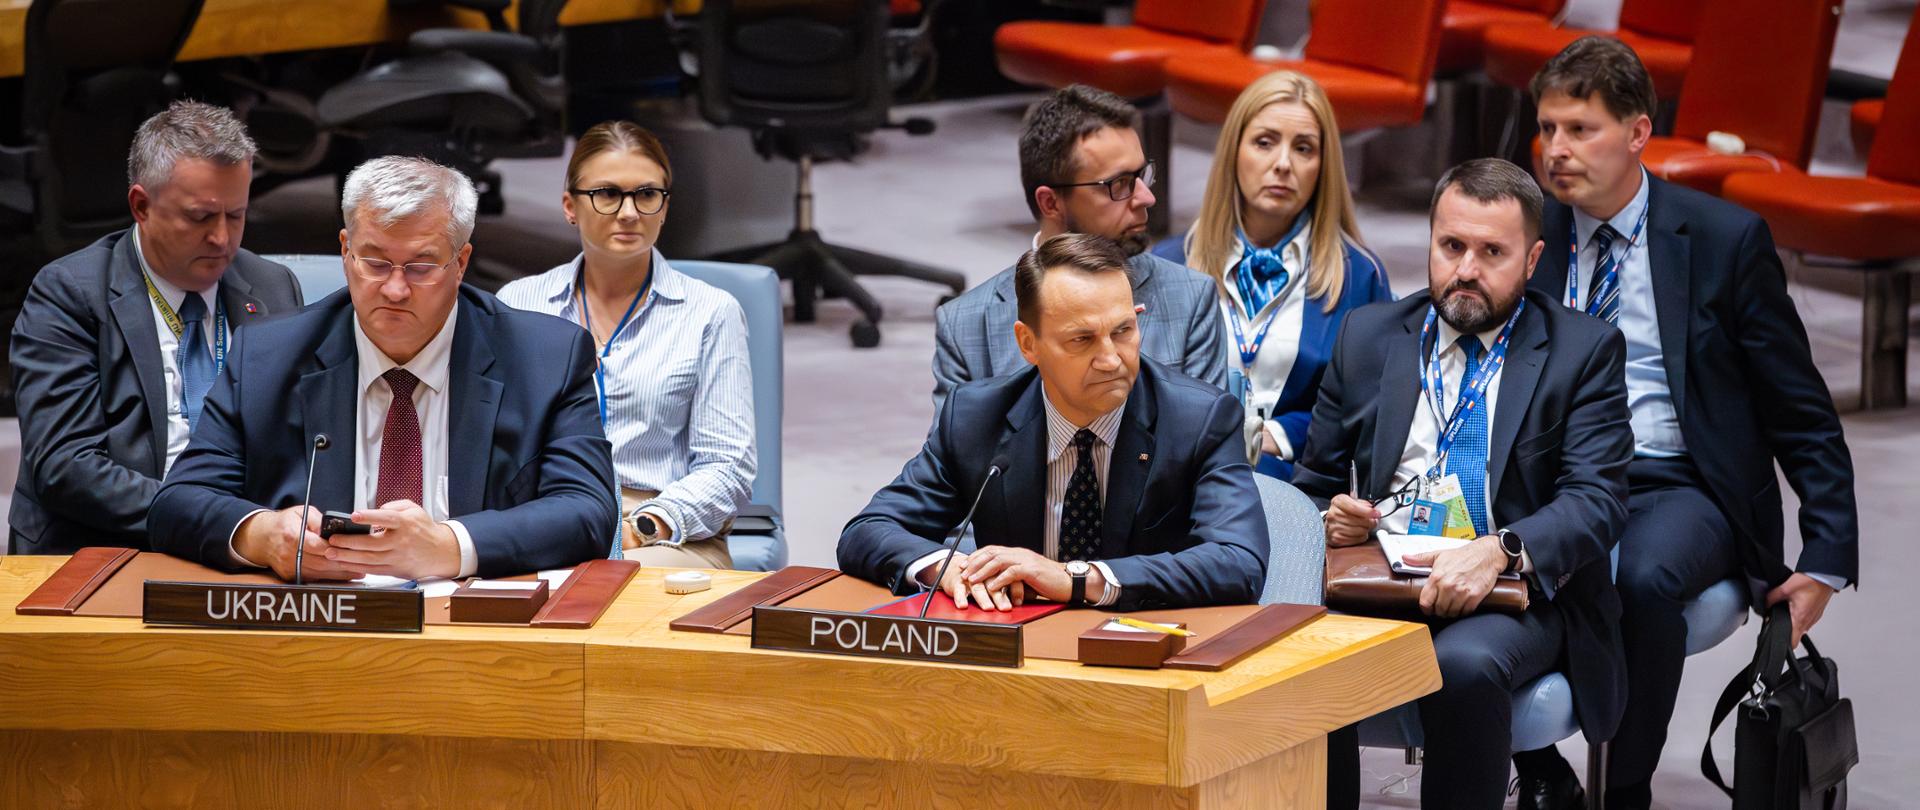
(915, 568)
(235, 555)
(469, 559)
(1111, 593)
(1272, 428)
(1837, 583)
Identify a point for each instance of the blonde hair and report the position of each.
(1216, 233)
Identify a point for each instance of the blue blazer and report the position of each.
(1366, 283)
(1182, 523)
(530, 474)
(1744, 384)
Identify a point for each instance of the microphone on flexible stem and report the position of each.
(999, 463)
(320, 442)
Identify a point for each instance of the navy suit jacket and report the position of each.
(529, 472)
(1182, 523)
(89, 382)
(1557, 456)
(1743, 380)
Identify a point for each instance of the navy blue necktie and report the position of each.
(195, 361)
(1604, 266)
(1080, 514)
(1467, 458)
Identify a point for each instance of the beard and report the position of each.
(1132, 244)
(1475, 312)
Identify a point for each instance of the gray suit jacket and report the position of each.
(973, 334)
(88, 381)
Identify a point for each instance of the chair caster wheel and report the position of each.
(865, 333)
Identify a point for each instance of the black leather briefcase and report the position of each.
(1794, 742)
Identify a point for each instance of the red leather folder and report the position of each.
(944, 609)
(77, 579)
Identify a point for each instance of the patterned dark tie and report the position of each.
(1605, 267)
(1080, 514)
(1467, 457)
(400, 443)
(196, 363)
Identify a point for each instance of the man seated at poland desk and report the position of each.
(1123, 483)
(465, 432)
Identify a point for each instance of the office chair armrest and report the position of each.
(493, 47)
(18, 172)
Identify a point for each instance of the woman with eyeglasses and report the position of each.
(1276, 231)
(674, 384)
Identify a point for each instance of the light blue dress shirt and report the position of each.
(1656, 425)
(679, 394)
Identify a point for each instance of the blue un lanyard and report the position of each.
(1249, 352)
(586, 320)
(1612, 278)
(1472, 394)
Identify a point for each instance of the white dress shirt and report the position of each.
(1423, 437)
(679, 394)
(1656, 425)
(178, 430)
(1271, 367)
(432, 365)
(1062, 460)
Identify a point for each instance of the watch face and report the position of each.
(1079, 568)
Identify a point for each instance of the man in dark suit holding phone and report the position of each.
(465, 433)
(1519, 406)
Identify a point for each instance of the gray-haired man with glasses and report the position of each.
(392, 371)
(1082, 170)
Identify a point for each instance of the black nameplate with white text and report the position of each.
(284, 607)
(905, 637)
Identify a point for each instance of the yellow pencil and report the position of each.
(1157, 628)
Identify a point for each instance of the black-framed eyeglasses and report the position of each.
(607, 199)
(1413, 490)
(418, 274)
(1120, 186)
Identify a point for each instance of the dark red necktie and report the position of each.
(400, 444)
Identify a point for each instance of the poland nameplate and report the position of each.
(910, 638)
(284, 607)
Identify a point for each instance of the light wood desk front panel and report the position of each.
(247, 27)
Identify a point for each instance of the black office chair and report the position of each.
(463, 97)
(95, 69)
(811, 80)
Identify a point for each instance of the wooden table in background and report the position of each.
(107, 712)
(247, 27)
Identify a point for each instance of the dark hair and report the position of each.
(1598, 64)
(609, 136)
(1055, 126)
(1080, 252)
(1490, 180)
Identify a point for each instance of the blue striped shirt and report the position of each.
(679, 394)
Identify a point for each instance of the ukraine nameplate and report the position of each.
(905, 637)
(284, 607)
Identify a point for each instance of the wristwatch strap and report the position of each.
(1079, 594)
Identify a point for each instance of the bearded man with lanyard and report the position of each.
(1503, 418)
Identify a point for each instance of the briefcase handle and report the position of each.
(1771, 656)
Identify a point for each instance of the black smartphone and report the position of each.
(333, 523)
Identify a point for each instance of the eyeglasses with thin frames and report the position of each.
(607, 200)
(1414, 490)
(1120, 186)
(417, 274)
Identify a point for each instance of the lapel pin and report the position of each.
(251, 309)
(1143, 456)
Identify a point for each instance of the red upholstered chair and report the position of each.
(1865, 118)
(1125, 59)
(1871, 221)
(1660, 31)
(1467, 21)
(1373, 57)
(1759, 72)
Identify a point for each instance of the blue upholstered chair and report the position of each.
(1297, 560)
(758, 291)
(319, 274)
(1543, 709)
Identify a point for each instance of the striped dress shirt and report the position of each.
(679, 394)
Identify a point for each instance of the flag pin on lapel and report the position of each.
(1143, 456)
(251, 309)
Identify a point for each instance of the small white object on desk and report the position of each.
(504, 585)
(689, 581)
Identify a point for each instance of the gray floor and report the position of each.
(952, 199)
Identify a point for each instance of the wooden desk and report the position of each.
(245, 27)
(107, 712)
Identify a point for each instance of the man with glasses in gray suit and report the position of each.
(1083, 171)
